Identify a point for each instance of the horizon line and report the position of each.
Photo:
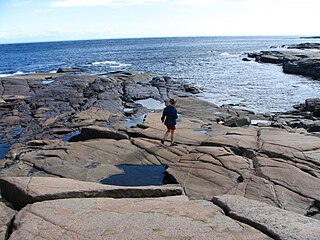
(155, 37)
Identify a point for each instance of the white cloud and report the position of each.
(88, 3)
(195, 2)
(17, 3)
(100, 32)
(44, 10)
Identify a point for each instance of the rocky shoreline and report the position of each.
(294, 60)
(232, 175)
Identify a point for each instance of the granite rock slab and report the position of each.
(21, 191)
(6, 216)
(275, 222)
(106, 218)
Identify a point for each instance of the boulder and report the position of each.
(69, 70)
(21, 191)
(134, 91)
(191, 89)
(309, 68)
(311, 104)
(298, 62)
(305, 45)
(237, 122)
(276, 223)
(106, 218)
(272, 59)
(6, 216)
(94, 132)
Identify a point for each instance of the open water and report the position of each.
(212, 63)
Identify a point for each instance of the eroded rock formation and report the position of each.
(277, 166)
(294, 61)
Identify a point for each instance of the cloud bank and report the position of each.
(92, 3)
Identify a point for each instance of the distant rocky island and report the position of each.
(311, 37)
(295, 60)
(233, 174)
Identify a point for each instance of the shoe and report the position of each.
(173, 144)
(162, 141)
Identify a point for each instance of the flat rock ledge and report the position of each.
(60, 211)
(277, 223)
(106, 218)
(21, 191)
(297, 59)
(275, 165)
(71, 209)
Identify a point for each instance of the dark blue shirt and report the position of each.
(170, 115)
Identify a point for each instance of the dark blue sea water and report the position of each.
(212, 63)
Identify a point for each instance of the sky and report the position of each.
(54, 20)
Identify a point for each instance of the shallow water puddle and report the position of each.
(203, 130)
(138, 175)
(47, 81)
(133, 122)
(260, 122)
(70, 135)
(151, 103)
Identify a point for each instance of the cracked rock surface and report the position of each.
(297, 59)
(6, 216)
(21, 191)
(106, 218)
(275, 222)
(278, 166)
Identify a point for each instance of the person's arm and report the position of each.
(175, 114)
(163, 115)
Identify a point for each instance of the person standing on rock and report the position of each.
(169, 116)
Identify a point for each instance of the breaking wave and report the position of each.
(111, 64)
(18, 73)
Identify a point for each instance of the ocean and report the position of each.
(214, 64)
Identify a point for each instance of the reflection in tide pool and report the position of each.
(133, 122)
(47, 81)
(151, 103)
(137, 175)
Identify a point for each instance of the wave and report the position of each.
(18, 73)
(224, 54)
(112, 64)
(104, 63)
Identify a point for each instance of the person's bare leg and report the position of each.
(172, 136)
(165, 136)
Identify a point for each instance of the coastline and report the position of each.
(70, 131)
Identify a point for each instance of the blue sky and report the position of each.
(51, 20)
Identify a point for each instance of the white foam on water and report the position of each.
(18, 73)
(111, 64)
(224, 54)
(104, 63)
(121, 65)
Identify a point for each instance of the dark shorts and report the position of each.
(171, 127)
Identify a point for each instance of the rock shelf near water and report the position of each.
(297, 60)
(220, 172)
